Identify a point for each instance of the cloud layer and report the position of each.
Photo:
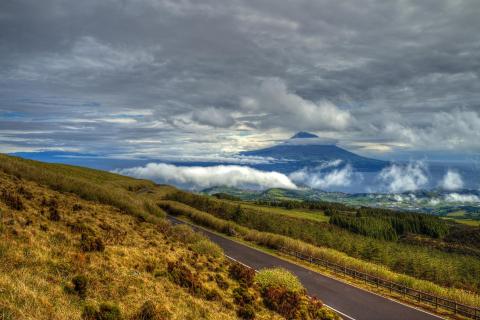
(329, 175)
(204, 177)
(165, 77)
(452, 181)
(401, 178)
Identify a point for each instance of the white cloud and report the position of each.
(320, 178)
(204, 177)
(400, 178)
(452, 180)
(456, 197)
(213, 117)
(288, 110)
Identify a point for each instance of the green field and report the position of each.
(462, 217)
(318, 216)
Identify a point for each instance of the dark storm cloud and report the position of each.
(143, 77)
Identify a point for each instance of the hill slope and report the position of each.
(77, 243)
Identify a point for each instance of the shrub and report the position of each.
(246, 312)
(24, 192)
(54, 214)
(278, 277)
(91, 244)
(80, 284)
(149, 311)
(212, 295)
(12, 200)
(89, 312)
(80, 227)
(316, 310)
(222, 284)
(106, 311)
(242, 274)
(181, 275)
(109, 312)
(207, 247)
(242, 297)
(285, 302)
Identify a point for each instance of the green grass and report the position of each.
(318, 216)
(456, 214)
(468, 222)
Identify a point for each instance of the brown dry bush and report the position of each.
(149, 311)
(244, 275)
(12, 200)
(181, 275)
(91, 243)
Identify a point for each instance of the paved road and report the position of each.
(350, 302)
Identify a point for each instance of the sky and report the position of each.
(150, 78)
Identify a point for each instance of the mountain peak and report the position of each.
(304, 135)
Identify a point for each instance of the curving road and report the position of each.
(350, 302)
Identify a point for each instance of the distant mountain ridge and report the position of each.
(305, 149)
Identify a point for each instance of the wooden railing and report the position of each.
(437, 302)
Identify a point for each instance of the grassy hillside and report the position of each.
(77, 243)
(409, 261)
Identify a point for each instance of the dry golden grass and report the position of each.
(41, 255)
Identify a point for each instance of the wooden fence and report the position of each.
(437, 302)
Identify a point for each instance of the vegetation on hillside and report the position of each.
(428, 263)
(65, 257)
(131, 196)
(276, 241)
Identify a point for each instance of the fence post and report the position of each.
(345, 269)
(436, 302)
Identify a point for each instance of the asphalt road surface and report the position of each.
(350, 302)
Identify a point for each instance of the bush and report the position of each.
(316, 310)
(212, 295)
(285, 302)
(246, 312)
(80, 227)
(12, 200)
(279, 277)
(222, 284)
(148, 311)
(80, 284)
(244, 275)
(242, 297)
(24, 192)
(91, 244)
(106, 311)
(207, 247)
(181, 275)
(89, 312)
(54, 214)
